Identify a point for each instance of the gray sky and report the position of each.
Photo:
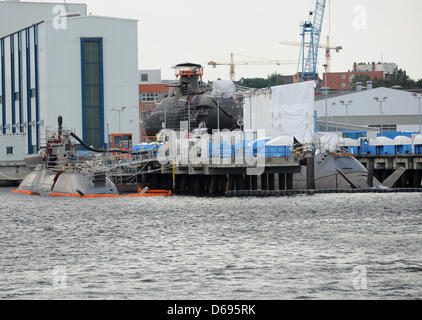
(198, 31)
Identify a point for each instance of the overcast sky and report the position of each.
(175, 31)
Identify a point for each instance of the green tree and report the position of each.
(398, 78)
(260, 83)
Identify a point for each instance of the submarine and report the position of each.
(59, 170)
(335, 171)
(194, 105)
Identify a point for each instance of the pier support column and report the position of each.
(271, 182)
(198, 185)
(264, 182)
(310, 173)
(247, 182)
(371, 173)
(282, 181)
(254, 182)
(184, 184)
(416, 179)
(230, 186)
(289, 181)
(240, 182)
(213, 186)
(222, 185)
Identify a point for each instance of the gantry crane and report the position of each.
(233, 64)
(311, 35)
(326, 46)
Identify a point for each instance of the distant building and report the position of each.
(77, 71)
(399, 111)
(151, 91)
(17, 15)
(344, 80)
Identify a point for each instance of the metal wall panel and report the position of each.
(18, 142)
(15, 16)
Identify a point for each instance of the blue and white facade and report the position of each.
(84, 69)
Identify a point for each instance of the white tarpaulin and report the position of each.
(223, 89)
(283, 110)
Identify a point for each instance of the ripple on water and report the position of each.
(183, 248)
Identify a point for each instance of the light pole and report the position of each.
(119, 111)
(381, 101)
(419, 97)
(347, 104)
(325, 90)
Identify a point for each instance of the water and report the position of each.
(349, 246)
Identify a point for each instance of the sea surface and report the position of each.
(348, 246)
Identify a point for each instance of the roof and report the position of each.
(337, 94)
(95, 17)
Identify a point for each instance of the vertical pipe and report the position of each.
(3, 88)
(174, 175)
(20, 82)
(12, 82)
(37, 96)
(28, 90)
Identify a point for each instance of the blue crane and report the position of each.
(311, 35)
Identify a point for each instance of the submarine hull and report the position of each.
(328, 178)
(47, 181)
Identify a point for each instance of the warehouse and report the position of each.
(383, 109)
(86, 72)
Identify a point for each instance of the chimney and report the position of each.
(369, 85)
(355, 67)
(373, 66)
(358, 86)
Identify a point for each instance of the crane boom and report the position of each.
(233, 64)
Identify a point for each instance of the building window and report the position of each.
(9, 151)
(149, 97)
(343, 85)
(385, 127)
(92, 92)
(352, 77)
(144, 77)
(343, 76)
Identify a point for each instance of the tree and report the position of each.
(260, 83)
(397, 78)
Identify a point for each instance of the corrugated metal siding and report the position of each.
(18, 142)
(15, 16)
(62, 58)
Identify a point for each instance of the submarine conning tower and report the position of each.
(190, 77)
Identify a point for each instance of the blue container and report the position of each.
(385, 150)
(404, 149)
(277, 151)
(393, 135)
(418, 149)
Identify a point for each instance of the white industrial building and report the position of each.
(380, 108)
(85, 70)
(17, 15)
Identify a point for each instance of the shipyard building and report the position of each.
(57, 60)
(375, 110)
